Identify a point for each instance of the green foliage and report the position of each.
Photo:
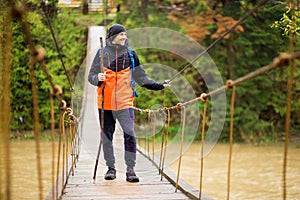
(287, 24)
(259, 105)
(71, 38)
(134, 15)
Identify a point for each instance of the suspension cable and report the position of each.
(181, 144)
(220, 38)
(52, 144)
(166, 142)
(5, 104)
(35, 57)
(162, 135)
(147, 139)
(202, 147)
(153, 134)
(288, 100)
(228, 85)
(280, 61)
(43, 4)
(36, 127)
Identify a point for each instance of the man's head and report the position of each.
(117, 34)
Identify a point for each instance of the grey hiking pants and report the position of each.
(126, 120)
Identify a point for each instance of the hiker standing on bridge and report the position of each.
(122, 69)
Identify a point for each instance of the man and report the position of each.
(122, 69)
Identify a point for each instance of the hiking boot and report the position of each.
(131, 177)
(110, 174)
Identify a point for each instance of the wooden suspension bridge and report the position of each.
(152, 185)
(72, 178)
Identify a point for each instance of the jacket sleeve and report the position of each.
(141, 77)
(95, 70)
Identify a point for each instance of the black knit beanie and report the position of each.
(114, 30)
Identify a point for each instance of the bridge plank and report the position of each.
(81, 185)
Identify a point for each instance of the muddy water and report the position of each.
(256, 172)
(24, 181)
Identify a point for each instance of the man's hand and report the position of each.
(166, 83)
(101, 76)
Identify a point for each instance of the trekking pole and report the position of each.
(102, 109)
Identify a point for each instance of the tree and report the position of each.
(71, 40)
(249, 47)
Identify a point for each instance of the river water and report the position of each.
(24, 181)
(256, 172)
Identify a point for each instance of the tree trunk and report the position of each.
(144, 10)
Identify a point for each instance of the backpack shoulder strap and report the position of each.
(132, 62)
(132, 68)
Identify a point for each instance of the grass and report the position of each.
(29, 135)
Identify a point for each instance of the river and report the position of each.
(256, 172)
(24, 181)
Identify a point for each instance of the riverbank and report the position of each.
(294, 141)
(29, 135)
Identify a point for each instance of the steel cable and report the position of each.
(43, 4)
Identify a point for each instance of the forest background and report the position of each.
(260, 105)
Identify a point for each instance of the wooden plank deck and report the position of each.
(82, 186)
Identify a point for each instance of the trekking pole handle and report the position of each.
(101, 54)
